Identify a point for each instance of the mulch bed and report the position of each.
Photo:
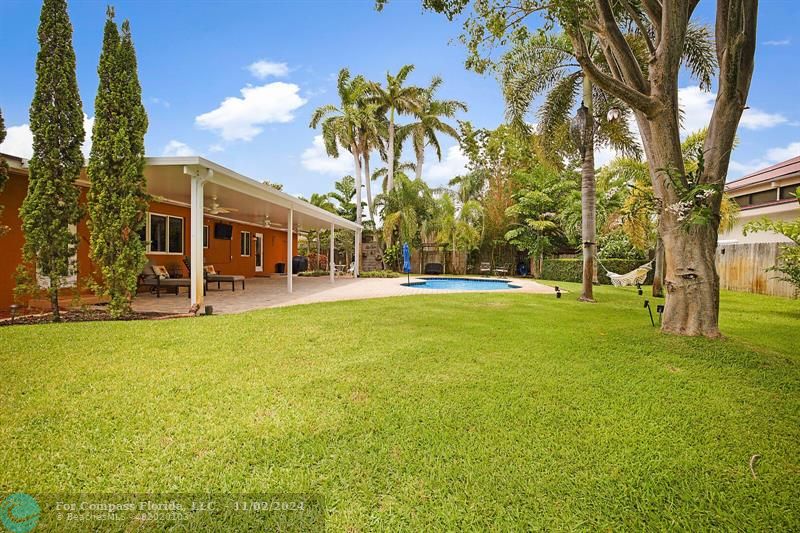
(83, 315)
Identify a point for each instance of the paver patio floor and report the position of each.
(266, 292)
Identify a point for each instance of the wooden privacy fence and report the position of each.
(744, 267)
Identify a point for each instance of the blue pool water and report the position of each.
(463, 284)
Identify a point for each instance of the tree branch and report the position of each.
(618, 88)
(736, 43)
(653, 10)
(622, 50)
(639, 24)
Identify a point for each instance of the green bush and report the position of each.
(571, 269)
(379, 274)
(313, 273)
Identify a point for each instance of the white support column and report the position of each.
(196, 235)
(357, 254)
(331, 262)
(289, 243)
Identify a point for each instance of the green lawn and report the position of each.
(458, 412)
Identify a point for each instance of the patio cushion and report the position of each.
(210, 269)
(161, 271)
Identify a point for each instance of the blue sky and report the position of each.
(203, 97)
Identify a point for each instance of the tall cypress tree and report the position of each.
(51, 210)
(117, 197)
(3, 166)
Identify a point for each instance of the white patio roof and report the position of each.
(167, 180)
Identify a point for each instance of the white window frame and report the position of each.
(183, 234)
(206, 236)
(248, 245)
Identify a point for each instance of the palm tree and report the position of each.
(383, 173)
(458, 227)
(429, 122)
(545, 64)
(395, 99)
(344, 193)
(341, 125)
(371, 133)
(405, 210)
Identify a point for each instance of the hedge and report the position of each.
(572, 269)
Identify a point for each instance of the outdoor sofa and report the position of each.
(212, 276)
(157, 278)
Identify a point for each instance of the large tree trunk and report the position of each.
(420, 161)
(390, 154)
(690, 275)
(357, 161)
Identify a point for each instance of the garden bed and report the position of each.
(81, 315)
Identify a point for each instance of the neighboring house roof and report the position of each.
(780, 170)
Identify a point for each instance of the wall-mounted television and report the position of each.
(223, 231)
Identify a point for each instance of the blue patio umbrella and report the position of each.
(407, 261)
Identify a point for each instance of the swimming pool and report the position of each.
(462, 284)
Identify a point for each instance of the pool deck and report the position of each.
(262, 293)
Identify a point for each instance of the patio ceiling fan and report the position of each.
(217, 209)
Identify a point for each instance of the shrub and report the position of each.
(571, 269)
(379, 274)
(313, 273)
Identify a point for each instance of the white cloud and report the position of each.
(777, 155)
(19, 140)
(698, 105)
(454, 163)
(178, 149)
(778, 42)
(261, 69)
(240, 118)
(773, 155)
(160, 101)
(216, 148)
(316, 159)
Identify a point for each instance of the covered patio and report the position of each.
(211, 193)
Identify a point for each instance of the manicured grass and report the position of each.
(458, 412)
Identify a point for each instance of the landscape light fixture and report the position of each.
(558, 292)
(649, 310)
(660, 311)
(639, 288)
(14, 308)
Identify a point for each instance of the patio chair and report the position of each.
(211, 275)
(485, 269)
(339, 270)
(503, 270)
(157, 277)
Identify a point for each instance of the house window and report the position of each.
(743, 200)
(166, 234)
(205, 236)
(245, 244)
(763, 197)
(788, 192)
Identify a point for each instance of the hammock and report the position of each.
(634, 277)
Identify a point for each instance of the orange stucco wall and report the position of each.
(224, 255)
